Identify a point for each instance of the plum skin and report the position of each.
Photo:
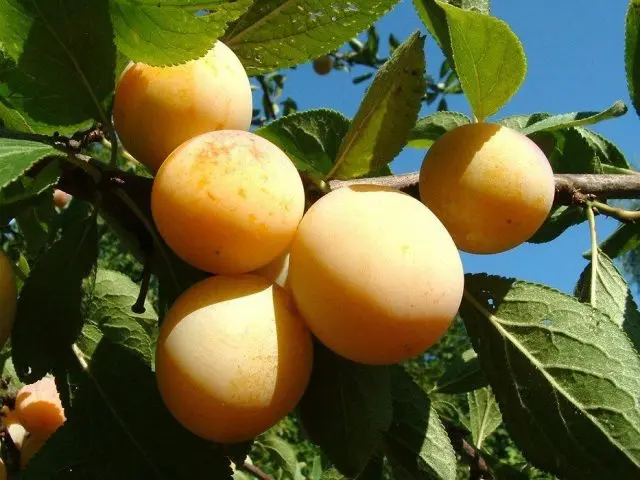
(491, 186)
(227, 202)
(156, 108)
(233, 357)
(374, 274)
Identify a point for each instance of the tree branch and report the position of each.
(570, 188)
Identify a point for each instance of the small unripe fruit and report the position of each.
(8, 298)
(227, 202)
(39, 408)
(157, 108)
(375, 274)
(491, 186)
(323, 65)
(61, 199)
(233, 357)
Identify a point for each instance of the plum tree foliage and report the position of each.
(287, 307)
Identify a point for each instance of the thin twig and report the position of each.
(253, 470)
(594, 255)
(615, 212)
(130, 158)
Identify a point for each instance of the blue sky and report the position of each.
(575, 53)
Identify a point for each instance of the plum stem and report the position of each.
(138, 307)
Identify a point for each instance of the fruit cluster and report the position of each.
(37, 414)
(371, 272)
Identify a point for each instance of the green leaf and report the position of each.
(311, 139)
(484, 415)
(67, 49)
(463, 374)
(576, 119)
(621, 241)
(49, 316)
(10, 384)
(386, 115)
(275, 34)
(632, 52)
(332, 474)
(483, 48)
(346, 409)
(613, 296)
(434, 18)
(482, 6)
(428, 129)
(316, 468)
(17, 156)
(567, 379)
(167, 33)
(417, 445)
(26, 191)
(118, 427)
(285, 452)
(108, 313)
(561, 218)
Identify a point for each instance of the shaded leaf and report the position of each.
(167, 33)
(67, 49)
(559, 220)
(386, 115)
(107, 437)
(284, 452)
(607, 151)
(632, 52)
(49, 316)
(311, 139)
(275, 34)
(574, 153)
(428, 129)
(346, 409)
(567, 379)
(484, 415)
(463, 374)
(108, 313)
(483, 48)
(613, 296)
(417, 445)
(434, 18)
(624, 239)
